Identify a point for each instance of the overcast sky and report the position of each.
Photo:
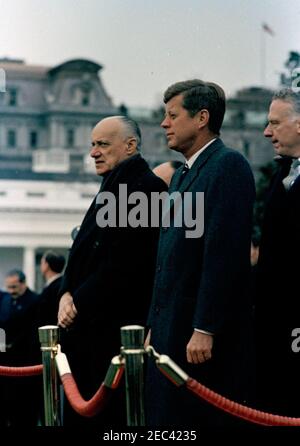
(144, 45)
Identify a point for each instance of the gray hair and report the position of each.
(132, 129)
(289, 95)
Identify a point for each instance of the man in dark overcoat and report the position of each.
(51, 266)
(200, 313)
(109, 276)
(277, 298)
(20, 397)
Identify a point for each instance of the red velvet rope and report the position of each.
(31, 370)
(85, 408)
(253, 415)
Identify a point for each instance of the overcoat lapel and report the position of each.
(192, 174)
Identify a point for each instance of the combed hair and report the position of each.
(55, 261)
(289, 95)
(199, 95)
(133, 130)
(17, 272)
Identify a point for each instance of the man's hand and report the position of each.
(67, 311)
(199, 348)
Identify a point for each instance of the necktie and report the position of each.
(288, 181)
(183, 173)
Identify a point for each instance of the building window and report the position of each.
(11, 138)
(12, 97)
(246, 148)
(239, 119)
(85, 98)
(87, 196)
(82, 94)
(70, 138)
(35, 194)
(33, 139)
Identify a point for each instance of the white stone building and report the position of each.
(47, 180)
(36, 216)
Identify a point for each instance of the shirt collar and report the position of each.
(52, 279)
(193, 158)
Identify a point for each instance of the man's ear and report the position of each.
(131, 145)
(203, 117)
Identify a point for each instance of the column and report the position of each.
(29, 265)
(53, 135)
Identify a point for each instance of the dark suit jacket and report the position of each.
(4, 307)
(110, 276)
(277, 300)
(48, 303)
(200, 283)
(20, 398)
(19, 322)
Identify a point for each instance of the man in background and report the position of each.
(166, 170)
(20, 397)
(19, 308)
(277, 296)
(52, 265)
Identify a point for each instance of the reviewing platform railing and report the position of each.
(130, 359)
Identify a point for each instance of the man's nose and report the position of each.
(94, 151)
(267, 131)
(165, 123)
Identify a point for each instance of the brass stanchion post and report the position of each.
(49, 339)
(132, 339)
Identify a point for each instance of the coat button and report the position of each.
(96, 244)
(158, 268)
(157, 309)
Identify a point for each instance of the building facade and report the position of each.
(47, 178)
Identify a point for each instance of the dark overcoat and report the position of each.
(18, 318)
(278, 300)
(201, 283)
(110, 275)
(48, 303)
